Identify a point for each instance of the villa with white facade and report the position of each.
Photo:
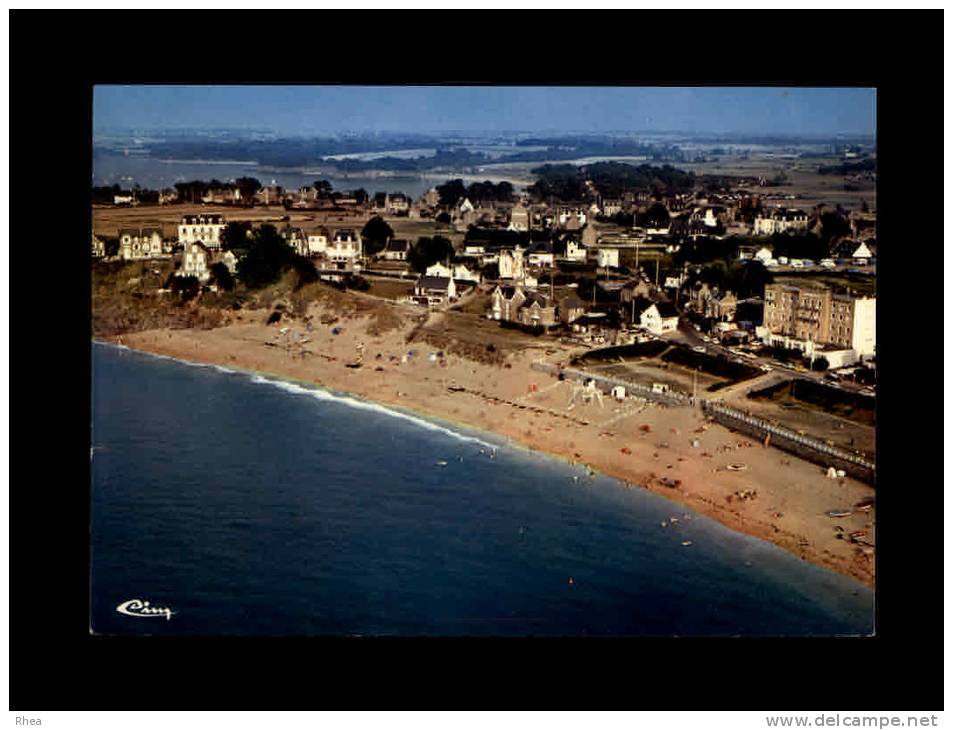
(205, 228)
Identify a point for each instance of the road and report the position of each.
(688, 335)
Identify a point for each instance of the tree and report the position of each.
(267, 257)
(375, 235)
(185, 287)
(486, 190)
(799, 246)
(323, 188)
(221, 276)
(428, 251)
(451, 191)
(491, 271)
(656, 216)
(235, 235)
(247, 188)
(305, 270)
(192, 192)
(443, 218)
(360, 195)
(748, 279)
(834, 225)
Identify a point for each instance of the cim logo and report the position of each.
(141, 609)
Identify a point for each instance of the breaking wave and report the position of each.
(325, 395)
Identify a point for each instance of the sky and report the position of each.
(336, 109)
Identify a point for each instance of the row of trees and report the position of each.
(453, 190)
(610, 179)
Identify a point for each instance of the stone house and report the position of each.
(505, 303)
(435, 290)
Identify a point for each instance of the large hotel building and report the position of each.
(817, 315)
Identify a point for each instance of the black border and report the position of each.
(55, 57)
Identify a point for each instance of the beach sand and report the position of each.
(641, 444)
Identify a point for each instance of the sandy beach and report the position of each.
(672, 451)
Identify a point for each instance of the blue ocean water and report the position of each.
(255, 507)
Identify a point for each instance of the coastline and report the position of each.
(528, 410)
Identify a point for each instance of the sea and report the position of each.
(158, 174)
(229, 503)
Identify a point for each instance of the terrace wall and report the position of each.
(791, 441)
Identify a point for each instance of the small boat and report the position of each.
(441, 463)
(686, 543)
(737, 467)
(839, 513)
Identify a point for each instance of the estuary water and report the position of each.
(250, 506)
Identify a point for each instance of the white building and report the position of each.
(460, 272)
(541, 258)
(519, 218)
(296, 238)
(396, 250)
(140, 243)
(204, 228)
(604, 257)
(231, 261)
(780, 220)
(439, 269)
(511, 263)
(571, 217)
(344, 247)
(864, 331)
(862, 254)
(659, 318)
(317, 241)
(435, 289)
(575, 251)
(195, 262)
(98, 247)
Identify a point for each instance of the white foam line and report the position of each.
(220, 368)
(320, 394)
(324, 395)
